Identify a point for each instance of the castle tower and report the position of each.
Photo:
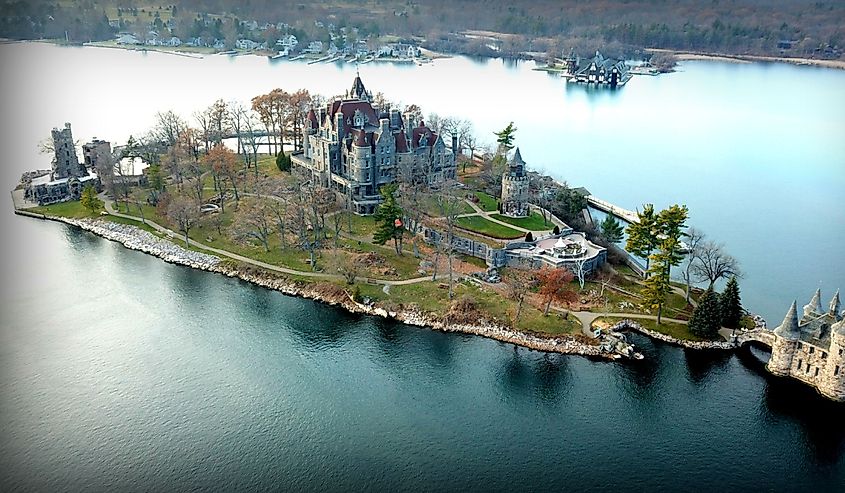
(65, 162)
(786, 342)
(833, 308)
(358, 90)
(814, 307)
(515, 188)
(832, 383)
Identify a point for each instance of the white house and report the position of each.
(173, 41)
(128, 39)
(315, 47)
(288, 41)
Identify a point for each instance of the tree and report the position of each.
(642, 235)
(714, 264)
(519, 283)
(168, 126)
(657, 285)
(388, 219)
(450, 206)
(253, 221)
(730, 305)
(554, 286)
(694, 238)
(705, 320)
(670, 225)
(184, 213)
(223, 163)
(283, 162)
(345, 264)
(611, 229)
(89, 199)
(505, 137)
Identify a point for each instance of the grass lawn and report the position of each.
(430, 297)
(486, 227)
(676, 330)
(487, 202)
(361, 225)
(72, 209)
(534, 222)
(430, 208)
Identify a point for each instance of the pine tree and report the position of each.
(505, 137)
(657, 285)
(730, 305)
(89, 199)
(388, 218)
(642, 235)
(611, 229)
(706, 318)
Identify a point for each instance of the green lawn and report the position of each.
(486, 227)
(72, 209)
(430, 208)
(676, 330)
(534, 222)
(487, 202)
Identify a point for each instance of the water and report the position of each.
(132, 374)
(121, 372)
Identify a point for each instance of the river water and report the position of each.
(118, 371)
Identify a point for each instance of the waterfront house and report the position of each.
(598, 70)
(314, 47)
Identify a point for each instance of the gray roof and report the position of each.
(788, 329)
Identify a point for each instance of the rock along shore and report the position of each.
(135, 238)
(628, 324)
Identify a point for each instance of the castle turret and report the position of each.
(785, 343)
(833, 308)
(515, 188)
(815, 305)
(65, 162)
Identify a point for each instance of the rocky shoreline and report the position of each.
(628, 324)
(137, 239)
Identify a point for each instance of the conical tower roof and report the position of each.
(788, 329)
(358, 90)
(833, 308)
(517, 158)
(815, 304)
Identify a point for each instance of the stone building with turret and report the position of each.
(68, 176)
(515, 188)
(354, 147)
(811, 347)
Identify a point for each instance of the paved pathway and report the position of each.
(225, 253)
(587, 318)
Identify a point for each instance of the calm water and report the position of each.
(132, 374)
(121, 372)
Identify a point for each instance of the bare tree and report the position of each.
(184, 212)
(714, 263)
(693, 240)
(519, 283)
(168, 127)
(449, 204)
(345, 264)
(253, 221)
(578, 270)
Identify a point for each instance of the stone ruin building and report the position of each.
(67, 178)
(812, 348)
(515, 188)
(354, 147)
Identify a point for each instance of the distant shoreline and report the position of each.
(721, 57)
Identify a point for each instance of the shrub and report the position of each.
(529, 236)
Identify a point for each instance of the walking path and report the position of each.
(587, 318)
(225, 253)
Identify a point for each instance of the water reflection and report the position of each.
(821, 420)
(529, 374)
(704, 364)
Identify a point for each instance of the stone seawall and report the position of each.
(628, 324)
(135, 238)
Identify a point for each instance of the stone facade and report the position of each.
(812, 349)
(67, 178)
(354, 147)
(515, 188)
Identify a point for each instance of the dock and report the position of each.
(605, 206)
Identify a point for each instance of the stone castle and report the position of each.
(812, 348)
(515, 188)
(67, 177)
(354, 147)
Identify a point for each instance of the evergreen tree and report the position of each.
(283, 162)
(730, 305)
(529, 237)
(657, 283)
(642, 235)
(706, 318)
(611, 229)
(505, 137)
(89, 199)
(388, 218)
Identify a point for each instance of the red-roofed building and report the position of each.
(354, 147)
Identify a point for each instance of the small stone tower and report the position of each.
(515, 188)
(786, 340)
(65, 162)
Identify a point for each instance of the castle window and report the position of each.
(824, 355)
(817, 372)
(808, 368)
(800, 363)
(812, 349)
(836, 370)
